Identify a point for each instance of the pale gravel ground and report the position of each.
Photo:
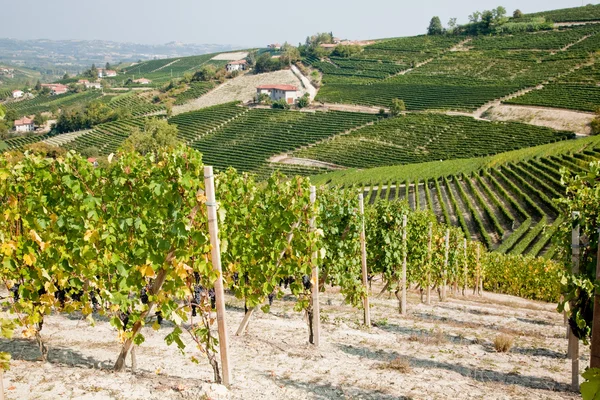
(242, 88)
(238, 55)
(274, 360)
(578, 122)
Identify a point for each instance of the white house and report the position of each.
(24, 125)
(238, 65)
(100, 72)
(17, 94)
(90, 85)
(142, 81)
(278, 92)
(109, 73)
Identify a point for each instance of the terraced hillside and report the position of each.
(106, 138)
(47, 103)
(162, 71)
(460, 73)
(253, 136)
(576, 14)
(417, 138)
(505, 201)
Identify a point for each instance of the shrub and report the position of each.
(503, 343)
(281, 104)
(304, 101)
(595, 124)
(399, 364)
(397, 107)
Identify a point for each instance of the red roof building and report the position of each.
(24, 125)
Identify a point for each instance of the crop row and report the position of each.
(194, 125)
(586, 13)
(415, 138)
(250, 139)
(47, 103)
(107, 138)
(582, 97)
(551, 40)
(195, 90)
(508, 207)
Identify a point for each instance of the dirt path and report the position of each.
(441, 351)
(308, 86)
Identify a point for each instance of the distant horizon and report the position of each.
(240, 24)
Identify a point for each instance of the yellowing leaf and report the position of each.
(147, 271)
(29, 259)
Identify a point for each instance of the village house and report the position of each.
(24, 125)
(89, 85)
(238, 65)
(56, 88)
(109, 73)
(142, 81)
(277, 92)
(16, 94)
(100, 72)
(274, 46)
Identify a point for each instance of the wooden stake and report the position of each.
(428, 297)
(404, 257)
(464, 291)
(573, 351)
(316, 312)
(363, 259)
(213, 228)
(476, 286)
(446, 255)
(479, 271)
(595, 353)
(1, 384)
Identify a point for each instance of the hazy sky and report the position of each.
(243, 23)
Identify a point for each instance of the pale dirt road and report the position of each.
(447, 348)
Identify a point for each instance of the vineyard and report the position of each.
(505, 201)
(195, 90)
(416, 138)
(107, 138)
(490, 67)
(588, 13)
(48, 103)
(578, 90)
(247, 141)
(143, 252)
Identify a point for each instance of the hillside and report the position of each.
(493, 181)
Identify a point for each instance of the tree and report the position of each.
(474, 18)
(91, 151)
(517, 14)
(398, 106)
(66, 75)
(304, 101)
(206, 73)
(107, 65)
(499, 14)
(451, 24)
(157, 134)
(263, 98)
(435, 27)
(265, 63)
(38, 86)
(346, 50)
(290, 54)
(39, 119)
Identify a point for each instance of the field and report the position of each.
(436, 351)
(504, 201)
(439, 78)
(417, 138)
(587, 13)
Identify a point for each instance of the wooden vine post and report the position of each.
(363, 259)
(213, 228)
(430, 238)
(595, 352)
(446, 255)
(573, 351)
(316, 312)
(1, 383)
(404, 257)
(464, 290)
(477, 271)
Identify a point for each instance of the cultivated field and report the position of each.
(573, 121)
(441, 351)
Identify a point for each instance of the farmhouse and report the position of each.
(142, 81)
(56, 88)
(17, 94)
(109, 73)
(24, 125)
(278, 92)
(238, 65)
(274, 46)
(100, 72)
